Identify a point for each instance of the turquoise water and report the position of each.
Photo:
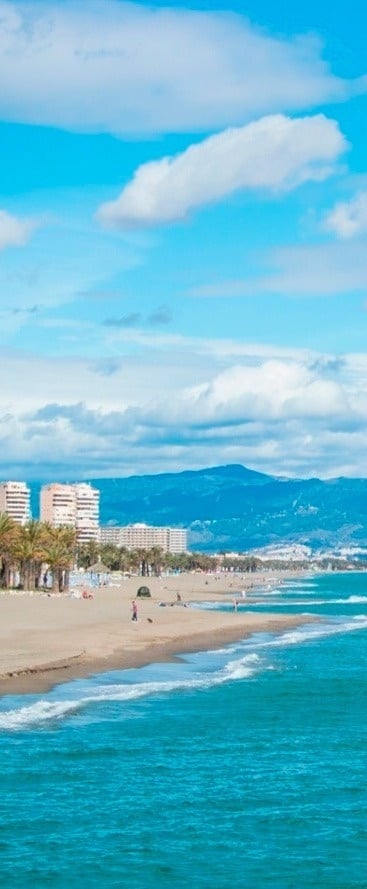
(242, 767)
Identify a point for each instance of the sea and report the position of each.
(243, 766)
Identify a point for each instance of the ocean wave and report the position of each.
(317, 631)
(350, 600)
(357, 599)
(249, 664)
(42, 712)
(282, 603)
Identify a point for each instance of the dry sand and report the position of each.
(49, 639)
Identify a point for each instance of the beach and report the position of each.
(46, 639)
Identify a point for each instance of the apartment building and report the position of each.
(58, 504)
(87, 512)
(76, 506)
(141, 536)
(15, 501)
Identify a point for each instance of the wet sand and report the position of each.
(46, 639)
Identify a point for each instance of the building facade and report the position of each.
(140, 536)
(87, 512)
(57, 505)
(76, 506)
(15, 501)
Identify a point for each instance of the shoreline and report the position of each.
(49, 640)
(42, 678)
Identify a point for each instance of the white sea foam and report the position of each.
(281, 603)
(247, 665)
(355, 599)
(317, 631)
(41, 712)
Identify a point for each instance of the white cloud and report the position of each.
(14, 231)
(295, 413)
(122, 67)
(274, 389)
(274, 153)
(312, 270)
(348, 218)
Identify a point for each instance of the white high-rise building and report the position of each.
(15, 501)
(76, 506)
(87, 512)
(140, 536)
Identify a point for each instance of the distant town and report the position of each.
(77, 506)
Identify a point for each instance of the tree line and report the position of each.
(33, 554)
(37, 555)
(154, 560)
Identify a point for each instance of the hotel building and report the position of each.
(76, 506)
(15, 501)
(140, 536)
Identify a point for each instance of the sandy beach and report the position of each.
(49, 639)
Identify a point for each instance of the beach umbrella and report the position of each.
(99, 568)
(99, 572)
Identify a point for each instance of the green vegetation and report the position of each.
(29, 553)
(35, 552)
(154, 561)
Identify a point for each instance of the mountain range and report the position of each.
(235, 508)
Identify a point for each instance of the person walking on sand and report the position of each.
(134, 607)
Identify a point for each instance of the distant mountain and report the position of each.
(235, 508)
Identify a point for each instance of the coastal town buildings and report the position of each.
(77, 506)
(74, 505)
(87, 512)
(15, 501)
(141, 536)
(57, 504)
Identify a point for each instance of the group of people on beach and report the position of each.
(134, 607)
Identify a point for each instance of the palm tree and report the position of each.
(59, 555)
(29, 551)
(143, 555)
(88, 554)
(68, 537)
(8, 535)
(156, 558)
(110, 556)
(124, 559)
(134, 560)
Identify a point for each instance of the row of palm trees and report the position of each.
(30, 553)
(154, 561)
(33, 554)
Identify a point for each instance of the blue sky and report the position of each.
(183, 233)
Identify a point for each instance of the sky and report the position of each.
(183, 237)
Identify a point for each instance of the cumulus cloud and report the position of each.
(311, 270)
(286, 413)
(124, 67)
(274, 389)
(348, 218)
(14, 231)
(275, 153)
